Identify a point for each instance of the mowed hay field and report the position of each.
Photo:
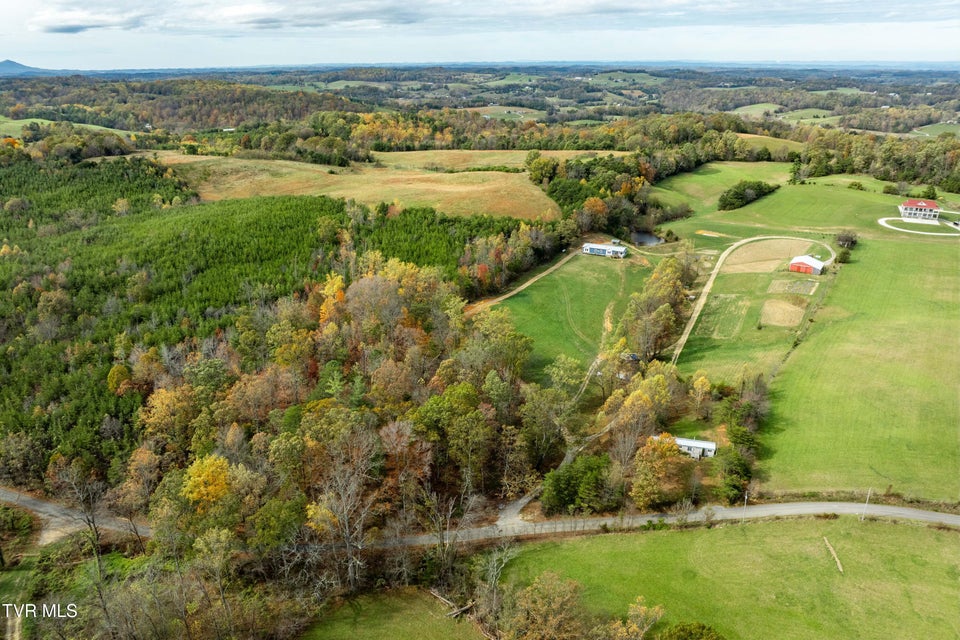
(754, 311)
(869, 397)
(702, 187)
(564, 311)
(770, 579)
(476, 192)
(402, 614)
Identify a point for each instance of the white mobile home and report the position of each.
(612, 250)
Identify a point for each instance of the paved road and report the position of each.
(702, 300)
(751, 512)
(59, 520)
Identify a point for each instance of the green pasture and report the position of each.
(843, 90)
(402, 614)
(934, 130)
(810, 116)
(628, 78)
(513, 78)
(731, 333)
(772, 579)
(869, 399)
(869, 396)
(702, 187)
(773, 144)
(564, 311)
(14, 128)
(758, 110)
(500, 112)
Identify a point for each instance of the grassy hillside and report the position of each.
(770, 580)
(405, 614)
(564, 312)
(485, 192)
(869, 397)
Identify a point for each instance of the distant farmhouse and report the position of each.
(612, 250)
(807, 264)
(923, 209)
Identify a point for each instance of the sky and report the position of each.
(133, 34)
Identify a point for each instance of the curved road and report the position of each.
(702, 300)
(59, 520)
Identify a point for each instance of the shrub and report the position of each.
(743, 193)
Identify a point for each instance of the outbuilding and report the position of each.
(807, 264)
(697, 449)
(612, 250)
(923, 209)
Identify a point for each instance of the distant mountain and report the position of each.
(9, 68)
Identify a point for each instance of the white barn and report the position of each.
(612, 250)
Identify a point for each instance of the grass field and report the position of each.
(810, 116)
(933, 130)
(773, 144)
(564, 311)
(458, 160)
(754, 312)
(403, 614)
(493, 193)
(771, 579)
(509, 113)
(757, 110)
(869, 397)
(13, 128)
(701, 188)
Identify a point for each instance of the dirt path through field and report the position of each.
(480, 305)
(702, 300)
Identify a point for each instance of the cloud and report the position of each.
(225, 17)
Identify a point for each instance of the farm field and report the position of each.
(564, 312)
(403, 614)
(458, 160)
(869, 397)
(13, 128)
(702, 187)
(509, 113)
(492, 193)
(933, 130)
(757, 110)
(810, 116)
(771, 579)
(755, 141)
(754, 311)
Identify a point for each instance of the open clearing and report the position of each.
(770, 579)
(482, 192)
(763, 257)
(564, 311)
(868, 397)
(13, 128)
(400, 614)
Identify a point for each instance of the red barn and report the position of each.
(806, 264)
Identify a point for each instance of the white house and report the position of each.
(612, 250)
(923, 209)
(697, 449)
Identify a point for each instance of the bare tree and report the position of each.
(346, 499)
(445, 517)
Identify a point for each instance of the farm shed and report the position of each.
(807, 264)
(923, 209)
(612, 250)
